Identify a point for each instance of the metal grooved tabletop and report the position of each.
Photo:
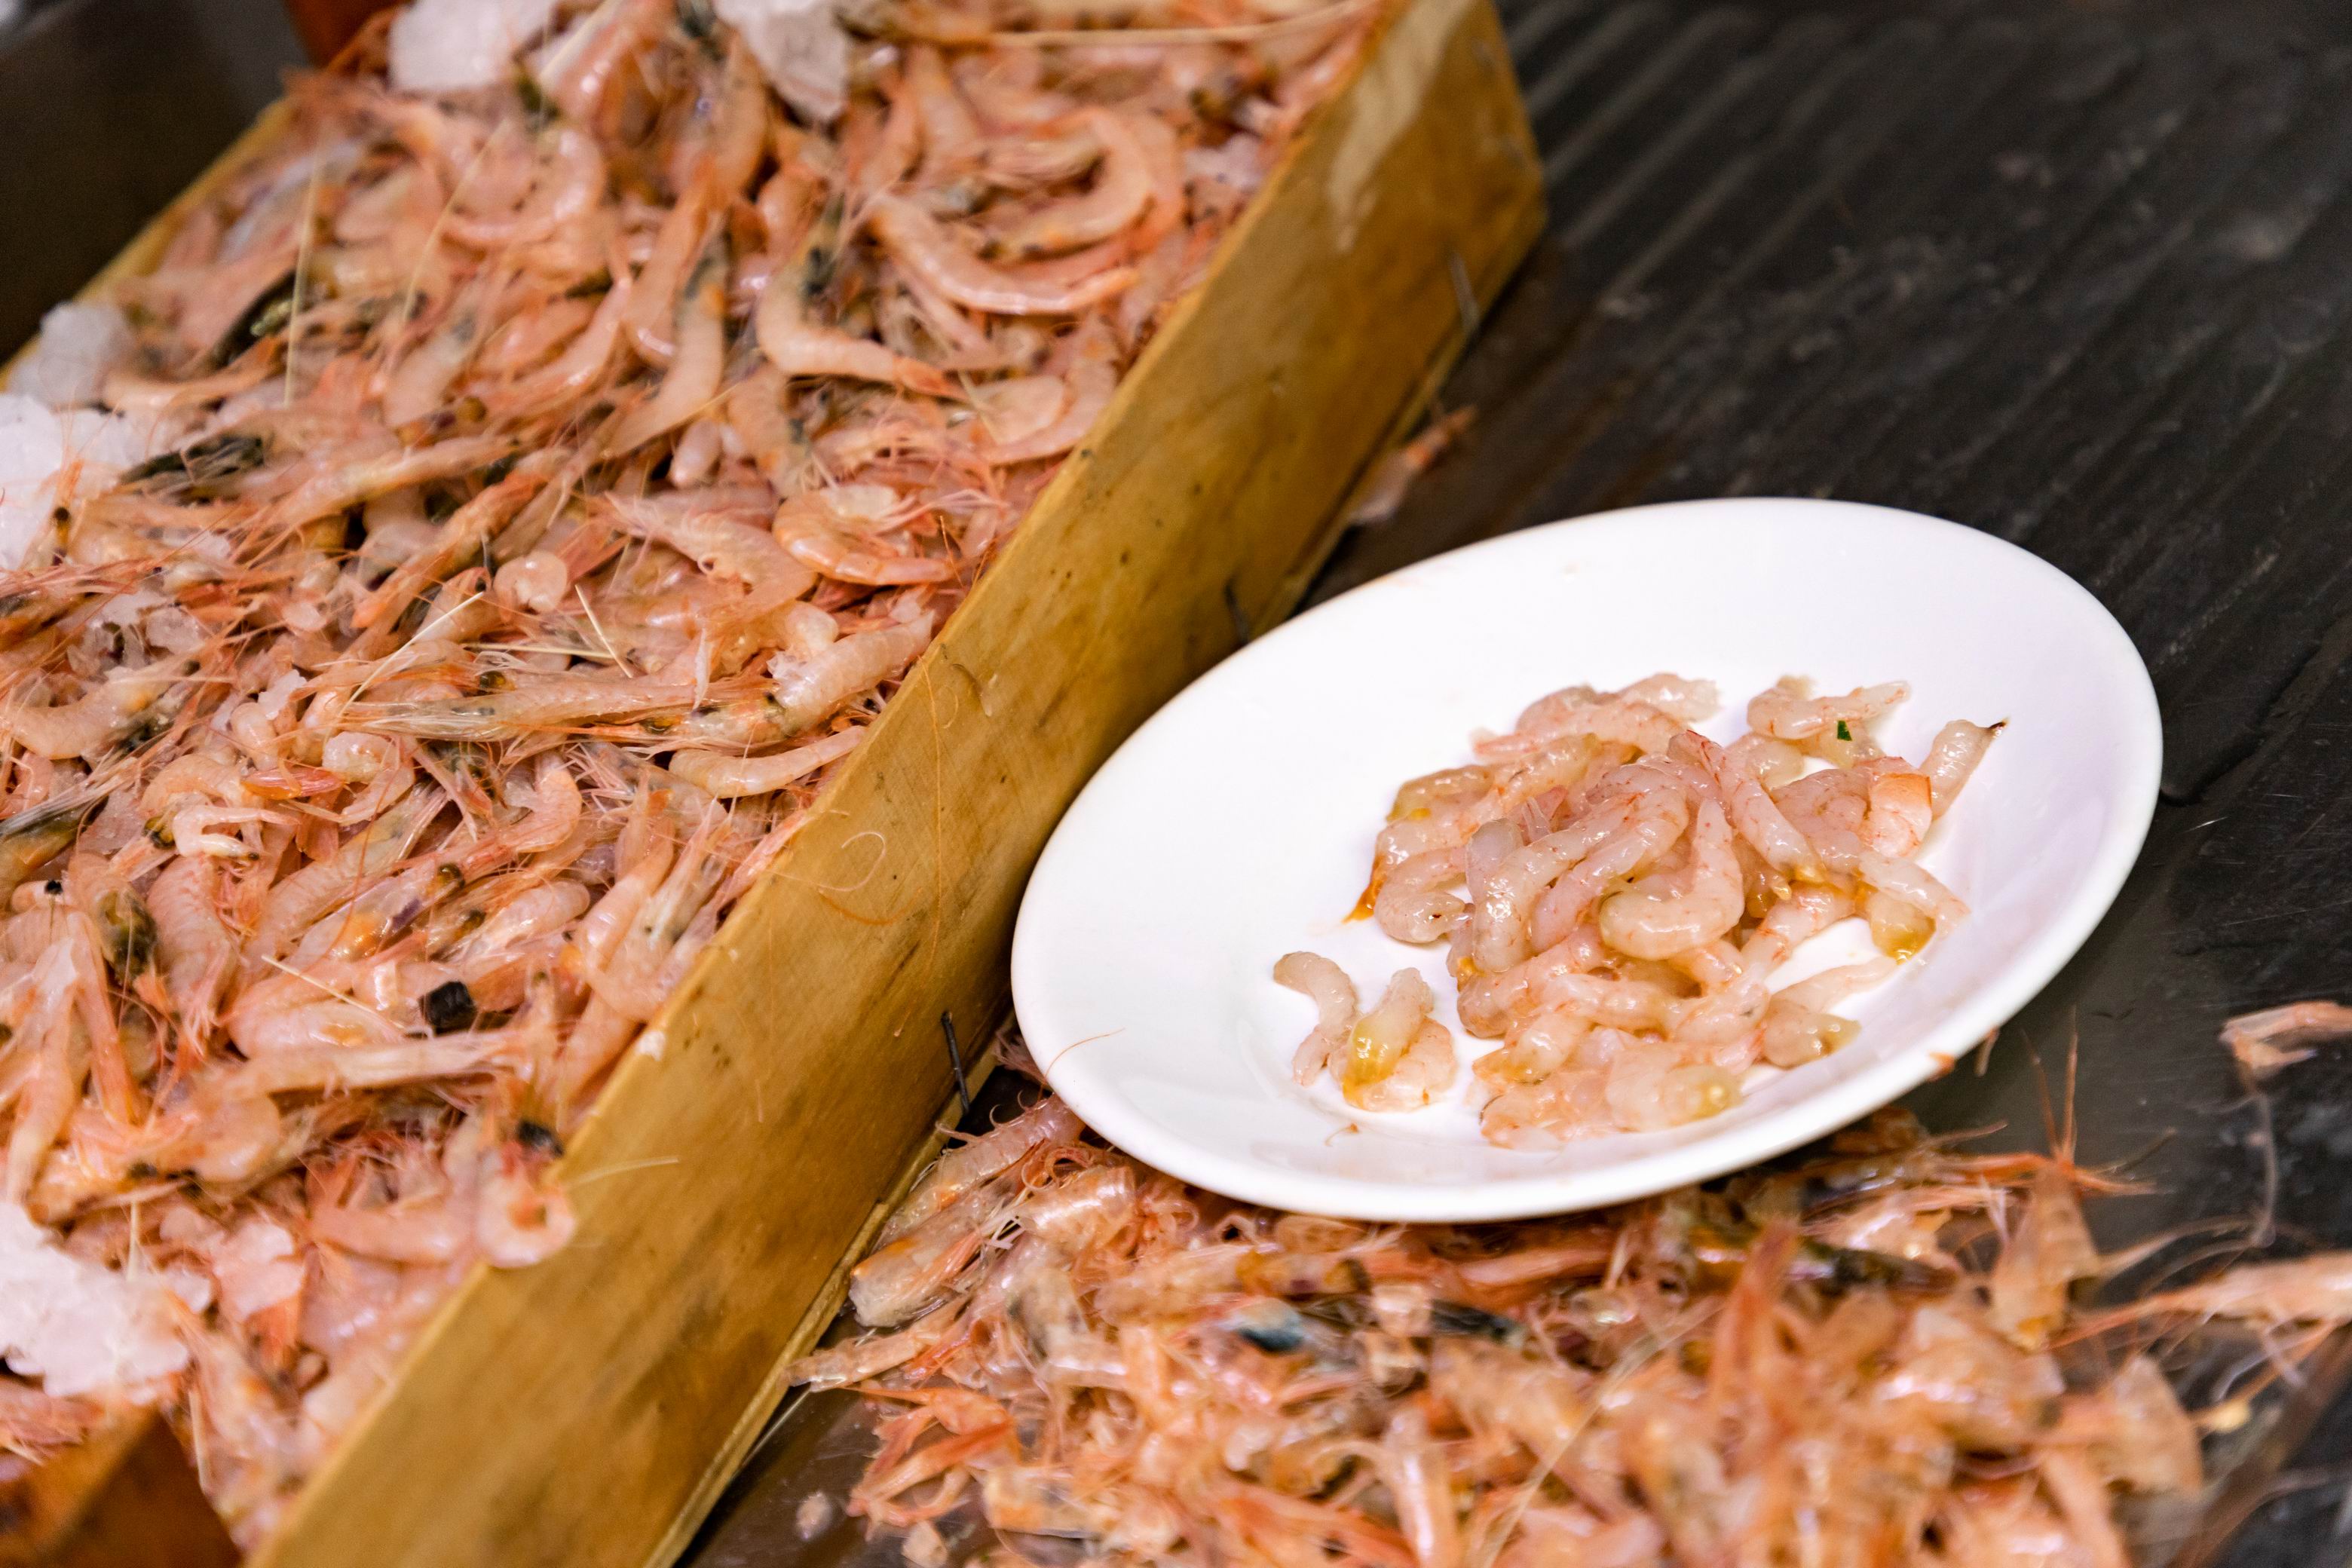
(2079, 277)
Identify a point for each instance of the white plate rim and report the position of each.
(1838, 1105)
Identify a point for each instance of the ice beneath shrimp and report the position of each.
(801, 48)
(451, 46)
(32, 450)
(68, 362)
(37, 445)
(1616, 893)
(79, 1327)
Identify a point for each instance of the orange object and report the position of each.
(326, 26)
(127, 1498)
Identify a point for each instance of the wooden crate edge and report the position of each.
(141, 254)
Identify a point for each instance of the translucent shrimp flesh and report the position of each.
(1616, 891)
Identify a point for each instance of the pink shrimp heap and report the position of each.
(439, 587)
(1874, 1360)
(1627, 889)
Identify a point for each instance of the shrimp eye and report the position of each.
(1454, 1317)
(538, 1135)
(54, 888)
(448, 1007)
(1272, 1326)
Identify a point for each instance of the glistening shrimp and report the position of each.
(1615, 891)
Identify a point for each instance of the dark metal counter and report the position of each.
(108, 108)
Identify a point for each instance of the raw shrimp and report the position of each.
(1659, 917)
(197, 948)
(808, 689)
(1397, 1394)
(1616, 892)
(826, 548)
(91, 725)
(1086, 392)
(499, 516)
(1787, 713)
(918, 242)
(568, 185)
(696, 370)
(554, 703)
(582, 363)
(722, 544)
(2260, 1041)
(1383, 1037)
(1326, 986)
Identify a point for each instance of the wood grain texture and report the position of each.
(126, 1499)
(586, 1412)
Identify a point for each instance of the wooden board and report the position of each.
(128, 1498)
(586, 1412)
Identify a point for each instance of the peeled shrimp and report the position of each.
(1383, 1036)
(1423, 1071)
(1657, 918)
(1499, 922)
(1953, 757)
(1786, 713)
(1326, 986)
(87, 727)
(1616, 893)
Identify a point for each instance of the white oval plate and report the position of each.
(1237, 825)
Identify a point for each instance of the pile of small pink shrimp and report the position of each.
(474, 543)
(1626, 890)
(1875, 1358)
